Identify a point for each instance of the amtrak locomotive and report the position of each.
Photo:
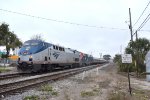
(37, 55)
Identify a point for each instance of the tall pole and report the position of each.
(130, 26)
(130, 90)
(137, 51)
(136, 35)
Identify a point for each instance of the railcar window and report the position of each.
(60, 48)
(53, 47)
(76, 59)
(56, 47)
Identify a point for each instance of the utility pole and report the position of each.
(137, 51)
(136, 35)
(130, 26)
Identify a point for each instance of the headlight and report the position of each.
(30, 58)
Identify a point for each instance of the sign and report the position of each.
(126, 58)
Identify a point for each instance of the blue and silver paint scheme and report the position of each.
(34, 49)
(34, 54)
(37, 55)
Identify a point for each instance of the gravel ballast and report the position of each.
(96, 84)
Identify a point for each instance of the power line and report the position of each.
(142, 31)
(61, 21)
(144, 22)
(145, 30)
(142, 13)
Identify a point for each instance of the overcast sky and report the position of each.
(101, 13)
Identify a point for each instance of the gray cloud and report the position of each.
(109, 14)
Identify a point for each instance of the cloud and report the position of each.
(102, 13)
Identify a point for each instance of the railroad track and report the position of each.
(38, 79)
(13, 75)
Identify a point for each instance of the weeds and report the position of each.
(87, 93)
(141, 94)
(93, 92)
(117, 96)
(54, 93)
(49, 89)
(136, 95)
(3, 69)
(32, 97)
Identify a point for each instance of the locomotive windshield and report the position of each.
(30, 44)
(31, 47)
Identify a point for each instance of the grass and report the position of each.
(142, 94)
(3, 69)
(49, 89)
(87, 93)
(136, 95)
(95, 91)
(117, 96)
(54, 93)
(32, 97)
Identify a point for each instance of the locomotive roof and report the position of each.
(37, 41)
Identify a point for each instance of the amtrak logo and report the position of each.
(56, 54)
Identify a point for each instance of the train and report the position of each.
(40, 56)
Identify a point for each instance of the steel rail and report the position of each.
(12, 75)
(34, 80)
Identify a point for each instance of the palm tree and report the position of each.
(14, 41)
(9, 39)
(139, 49)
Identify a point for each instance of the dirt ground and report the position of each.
(102, 83)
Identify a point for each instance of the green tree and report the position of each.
(117, 58)
(14, 42)
(9, 39)
(106, 57)
(4, 30)
(139, 49)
